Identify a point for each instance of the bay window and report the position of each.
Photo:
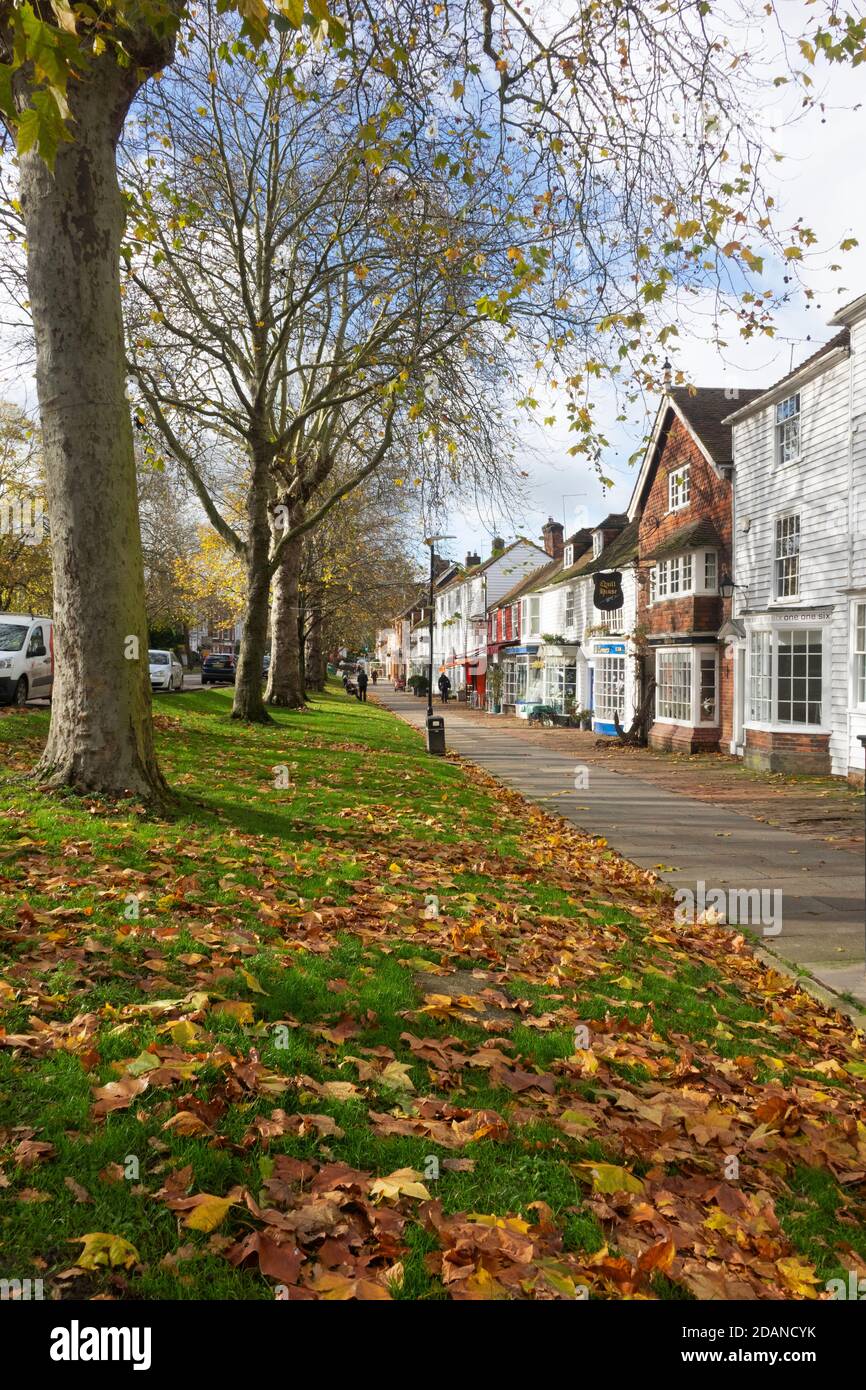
(798, 677)
(687, 685)
(760, 698)
(786, 676)
(674, 685)
(696, 572)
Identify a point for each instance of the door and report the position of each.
(38, 663)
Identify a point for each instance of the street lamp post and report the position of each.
(434, 744)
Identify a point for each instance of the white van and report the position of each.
(26, 658)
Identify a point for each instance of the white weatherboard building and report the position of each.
(572, 655)
(460, 620)
(799, 620)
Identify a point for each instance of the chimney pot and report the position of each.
(553, 538)
(472, 560)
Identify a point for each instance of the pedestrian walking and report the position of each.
(444, 687)
(362, 685)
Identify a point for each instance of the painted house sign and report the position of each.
(607, 590)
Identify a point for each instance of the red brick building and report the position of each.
(682, 501)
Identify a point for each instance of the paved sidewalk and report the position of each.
(685, 840)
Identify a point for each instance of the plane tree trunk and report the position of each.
(249, 702)
(101, 736)
(285, 674)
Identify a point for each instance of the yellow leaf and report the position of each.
(404, 1182)
(102, 1250)
(209, 1213)
(607, 1177)
(234, 1008)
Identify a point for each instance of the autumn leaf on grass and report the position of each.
(798, 1277)
(117, 1095)
(658, 1258)
(282, 1262)
(396, 1075)
(608, 1177)
(234, 1008)
(104, 1251)
(403, 1182)
(206, 1211)
(183, 1033)
(339, 1287)
(79, 1193)
(30, 1151)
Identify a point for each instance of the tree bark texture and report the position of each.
(285, 675)
(101, 736)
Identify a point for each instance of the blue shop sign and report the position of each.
(614, 648)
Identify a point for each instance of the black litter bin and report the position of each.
(435, 734)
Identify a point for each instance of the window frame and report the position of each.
(679, 488)
(696, 656)
(780, 559)
(569, 618)
(602, 684)
(780, 430)
(683, 576)
(770, 638)
(857, 662)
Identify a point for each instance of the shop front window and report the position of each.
(798, 680)
(610, 688)
(674, 686)
(786, 676)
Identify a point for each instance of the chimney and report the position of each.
(498, 544)
(472, 560)
(552, 534)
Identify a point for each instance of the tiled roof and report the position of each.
(706, 410)
(685, 538)
(618, 551)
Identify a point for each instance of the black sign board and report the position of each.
(607, 590)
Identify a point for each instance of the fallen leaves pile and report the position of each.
(700, 1146)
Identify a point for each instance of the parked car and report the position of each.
(166, 672)
(26, 658)
(218, 669)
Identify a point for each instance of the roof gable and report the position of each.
(703, 412)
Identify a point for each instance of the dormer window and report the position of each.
(568, 557)
(597, 544)
(678, 489)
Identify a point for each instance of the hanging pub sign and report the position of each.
(607, 590)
